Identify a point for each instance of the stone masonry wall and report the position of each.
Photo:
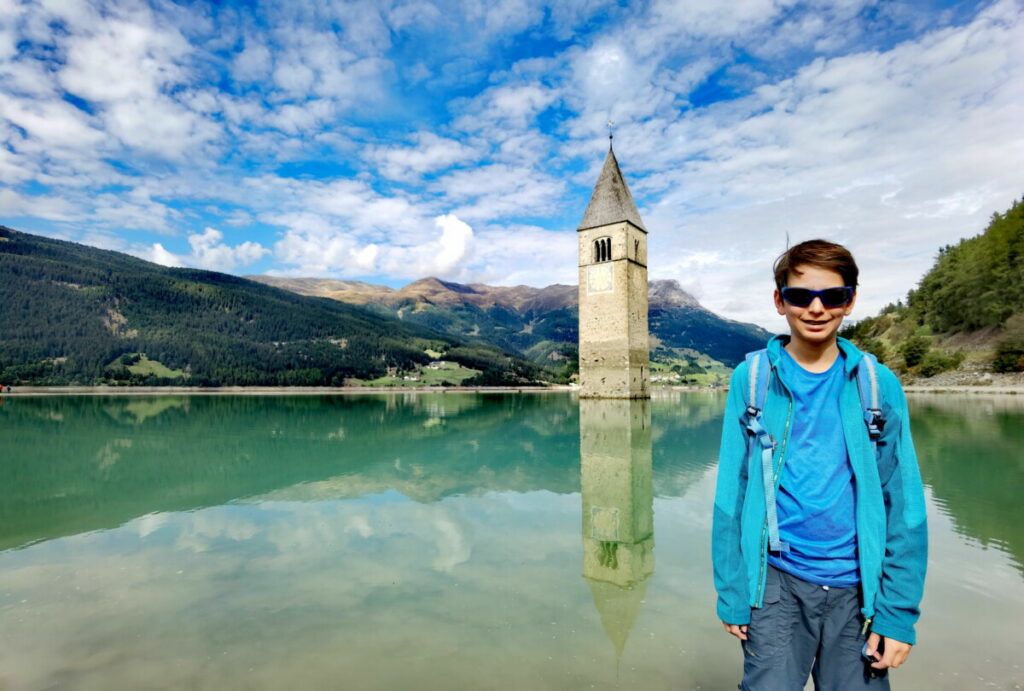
(614, 358)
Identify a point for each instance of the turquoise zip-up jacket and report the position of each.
(892, 534)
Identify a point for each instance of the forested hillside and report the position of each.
(71, 314)
(975, 287)
(978, 282)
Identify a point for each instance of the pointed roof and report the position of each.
(618, 609)
(611, 201)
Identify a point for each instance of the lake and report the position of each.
(437, 541)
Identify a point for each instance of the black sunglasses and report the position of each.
(830, 297)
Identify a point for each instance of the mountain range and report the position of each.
(78, 315)
(538, 323)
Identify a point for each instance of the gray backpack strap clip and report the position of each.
(867, 387)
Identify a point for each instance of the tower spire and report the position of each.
(611, 201)
(614, 342)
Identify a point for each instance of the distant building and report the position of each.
(614, 344)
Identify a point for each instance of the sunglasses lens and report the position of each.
(798, 297)
(835, 297)
(830, 297)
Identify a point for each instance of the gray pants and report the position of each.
(806, 629)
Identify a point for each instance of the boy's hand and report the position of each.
(738, 630)
(894, 653)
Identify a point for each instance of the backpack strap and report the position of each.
(867, 387)
(759, 373)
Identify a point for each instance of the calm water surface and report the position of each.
(436, 541)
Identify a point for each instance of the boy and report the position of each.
(828, 584)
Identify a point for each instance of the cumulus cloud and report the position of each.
(515, 254)
(501, 191)
(135, 103)
(429, 153)
(208, 252)
(55, 123)
(439, 258)
(253, 63)
(158, 254)
(312, 246)
(48, 207)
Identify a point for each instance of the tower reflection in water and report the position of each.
(618, 512)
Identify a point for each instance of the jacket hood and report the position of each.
(847, 349)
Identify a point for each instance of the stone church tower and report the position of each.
(614, 349)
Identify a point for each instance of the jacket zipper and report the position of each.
(775, 481)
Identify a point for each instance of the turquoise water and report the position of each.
(435, 541)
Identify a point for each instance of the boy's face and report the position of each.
(814, 324)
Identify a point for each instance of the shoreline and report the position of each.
(268, 390)
(28, 391)
(966, 388)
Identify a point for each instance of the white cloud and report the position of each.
(708, 18)
(506, 108)
(313, 246)
(502, 16)
(422, 14)
(523, 255)
(131, 209)
(208, 252)
(500, 191)
(429, 153)
(253, 63)
(442, 257)
(159, 255)
(363, 209)
(53, 123)
(129, 66)
(97, 63)
(49, 207)
(294, 77)
(299, 119)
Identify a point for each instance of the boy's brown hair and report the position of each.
(822, 253)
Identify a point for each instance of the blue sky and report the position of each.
(388, 141)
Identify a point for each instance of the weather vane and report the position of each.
(611, 133)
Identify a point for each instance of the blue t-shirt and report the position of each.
(816, 500)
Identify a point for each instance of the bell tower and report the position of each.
(614, 345)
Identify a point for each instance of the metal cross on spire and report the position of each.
(611, 133)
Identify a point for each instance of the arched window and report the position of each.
(602, 250)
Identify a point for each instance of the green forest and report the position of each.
(76, 315)
(975, 287)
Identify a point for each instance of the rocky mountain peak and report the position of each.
(669, 292)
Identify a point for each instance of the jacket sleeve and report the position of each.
(726, 554)
(897, 606)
